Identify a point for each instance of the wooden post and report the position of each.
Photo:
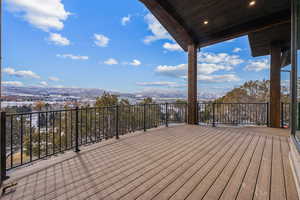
(275, 87)
(192, 84)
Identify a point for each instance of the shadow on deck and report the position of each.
(181, 162)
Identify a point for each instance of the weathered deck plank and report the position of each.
(291, 190)
(183, 162)
(218, 187)
(133, 191)
(221, 168)
(262, 189)
(247, 187)
(277, 180)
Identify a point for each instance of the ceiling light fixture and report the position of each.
(205, 22)
(252, 3)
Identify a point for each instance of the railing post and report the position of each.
(282, 115)
(77, 130)
(214, 123)
(186, 113)
(167, 115)
(144, 118)
(298, 116)
(197, 107)
(3, 147)
(117, 122)
(268, 114)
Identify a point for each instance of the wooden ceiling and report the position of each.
(260, 41)
(227, 19)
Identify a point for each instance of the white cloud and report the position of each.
(101, 40)
(209, 68)
(73, 57)
(181, 70)
(221, 58)
(43, 83)
(57, 39)
(125, 20)
(172, 47)
(21, 73)
(158, 31)
(161, 84)
(111, 61)
(13, 83)
(218, 78)
(257, 65)
(52, 78)
(43, 14)
(135, 63)
(236, 50)
(172, 71)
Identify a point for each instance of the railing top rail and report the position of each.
(233, 103)
(131, 105)
(83, 109)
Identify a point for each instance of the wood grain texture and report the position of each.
(182, 162)
(226, 19)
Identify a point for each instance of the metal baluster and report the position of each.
(60, 131)
(87, 125)
(66, 130)
(39, 137)
(101, 133)
(117, 122)
(53, 132)
(282, 115)
(95, 126)
(71, 129)
(46, 133)
(77, 131)
(22, 134)
(214, 125)
(167, 115)
(3, 148)
(11, 142)
(30, 138)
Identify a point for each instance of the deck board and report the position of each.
(291, 190)
(278, 190)
(226, 164)
(247, 187)
(181, 162)
(262, 189)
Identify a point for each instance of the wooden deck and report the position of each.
(182, 162)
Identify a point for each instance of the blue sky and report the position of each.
(113, 45)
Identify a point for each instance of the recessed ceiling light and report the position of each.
(205, 22)
(252, 3)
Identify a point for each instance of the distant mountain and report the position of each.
(43, 91)
(161, 93)
(94, 92)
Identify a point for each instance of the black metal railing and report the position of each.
(285, 115)
(233, 113)
(28, 137)
(240, 114)
(38, 135)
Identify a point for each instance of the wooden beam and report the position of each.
(275, 81)
(171, 22)
(192, 84)
(259, 24)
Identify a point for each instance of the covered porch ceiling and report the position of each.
(206, 22)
